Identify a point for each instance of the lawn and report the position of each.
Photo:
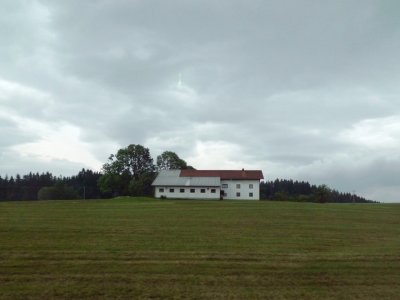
(139, 248)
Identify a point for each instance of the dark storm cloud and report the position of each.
(301, 89)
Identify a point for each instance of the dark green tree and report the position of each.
(112, 185)
(142, 186)
(133, 160)
(322, 194)
(57, 192)
(169, 160)
(124, 171)
(85, 182)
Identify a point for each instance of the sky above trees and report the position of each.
(298, 88)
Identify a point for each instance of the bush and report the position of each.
(57, 192)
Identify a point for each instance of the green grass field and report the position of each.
(144, 248)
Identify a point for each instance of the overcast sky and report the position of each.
(301, 89)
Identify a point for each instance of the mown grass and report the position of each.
(138, 248)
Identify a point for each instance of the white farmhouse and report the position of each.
(208, 184)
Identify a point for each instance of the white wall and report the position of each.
(187, 194)
(244, 189)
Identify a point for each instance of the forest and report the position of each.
(131, 171)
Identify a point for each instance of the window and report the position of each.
(250, 186)
(224, 185)
(238, 185)
(213, 191)
(161, 190)
(182, 190)
(251, 195)
(202, 191)
(171, 190)
(237, 194)
(192, 190)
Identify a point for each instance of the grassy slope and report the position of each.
(143, 248)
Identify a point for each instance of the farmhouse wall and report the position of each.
(247, 189)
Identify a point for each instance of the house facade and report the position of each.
(208, 184)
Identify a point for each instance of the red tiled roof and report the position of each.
(224, 174)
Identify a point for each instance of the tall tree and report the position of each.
(124, 172)
(323, 192)
(133, 160)
(169, 160)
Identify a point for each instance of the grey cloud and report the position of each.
(12, 163)
(363, 178)
(11, 135)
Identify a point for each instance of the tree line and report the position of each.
(46, 186)
(131, 171)
(302, 191)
